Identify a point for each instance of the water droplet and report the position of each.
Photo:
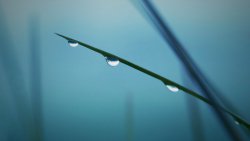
(172, 88)
(236, 122)
(112, 61)
(73, 43)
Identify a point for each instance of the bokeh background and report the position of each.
(81, 98)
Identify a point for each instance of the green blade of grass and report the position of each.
(166, 81)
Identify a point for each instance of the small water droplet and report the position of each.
(236, 122)
(172, 88)
(73, 43)
(112, 61)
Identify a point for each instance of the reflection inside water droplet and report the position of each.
(73, 43)
(112, 61)
(172, 88)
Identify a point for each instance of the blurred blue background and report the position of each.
(85, 99)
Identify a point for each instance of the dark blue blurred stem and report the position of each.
(191, 67)
(129, 117)
(15, 83)
(192, 104)
(193, 109)
(195, 119)
(35, 83)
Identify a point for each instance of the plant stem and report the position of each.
(36, 79)
(190, 66)
(161, 78)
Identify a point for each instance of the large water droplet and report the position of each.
(112, 61)
(73, 43)
(172, 88)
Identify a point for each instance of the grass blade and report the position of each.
(194, 110)
(191, 67)
(18, 119)
(36, 79)
(161, 78)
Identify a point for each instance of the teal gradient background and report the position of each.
(85, 99)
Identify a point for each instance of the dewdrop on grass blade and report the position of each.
(73, 43)
(236, 122)
(112, 61)
(172, 88)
